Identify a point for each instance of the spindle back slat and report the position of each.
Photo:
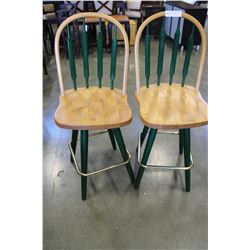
(71, 57)
(147, 57)
(85, 59)
(167, 14)
(100, 54)
(174, 53)
(113, 58)
(188, 56)
(161, 52)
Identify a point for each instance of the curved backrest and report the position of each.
(83, 16)
(167, 14)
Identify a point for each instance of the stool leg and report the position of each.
(180, 141)
(121, 145)
(112, 138)
(186, 133)
(148, 147)
(143, 135)
(73, 143)
(104, 36)
(84, 161)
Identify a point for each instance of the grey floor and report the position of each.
(160, 215)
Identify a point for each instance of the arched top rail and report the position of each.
(171, 14)
(97, 15)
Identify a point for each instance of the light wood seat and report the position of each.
(171, 106)
(93, 108)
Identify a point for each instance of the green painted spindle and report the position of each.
(187, 57)
(84, 141)
(113, 59)
(71, 57)
(161, 52)
(147, 57)
(100, 54)
(146, 153)
(174, 52)
(85, 54)
(187, 159)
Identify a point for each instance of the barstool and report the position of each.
(167, 106)
(93, 107)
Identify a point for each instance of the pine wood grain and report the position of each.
(93, 108)
(170, 107)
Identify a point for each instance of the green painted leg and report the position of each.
(180, 141)
(112, 138)
(84, 161)
(186, 135)
(148, 147)
(73, 143)
(143, 136)
(121, 145)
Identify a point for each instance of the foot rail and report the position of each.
(151, 166)
(97, 171)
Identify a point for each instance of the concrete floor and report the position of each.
(160, 215)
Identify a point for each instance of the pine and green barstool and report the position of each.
(168, 105)
(85, 108)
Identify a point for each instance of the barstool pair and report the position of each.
(162, 105)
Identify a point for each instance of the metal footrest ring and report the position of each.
(97, 171)
(151, 166)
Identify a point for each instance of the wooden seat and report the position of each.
(93, 108)
(171, 106)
